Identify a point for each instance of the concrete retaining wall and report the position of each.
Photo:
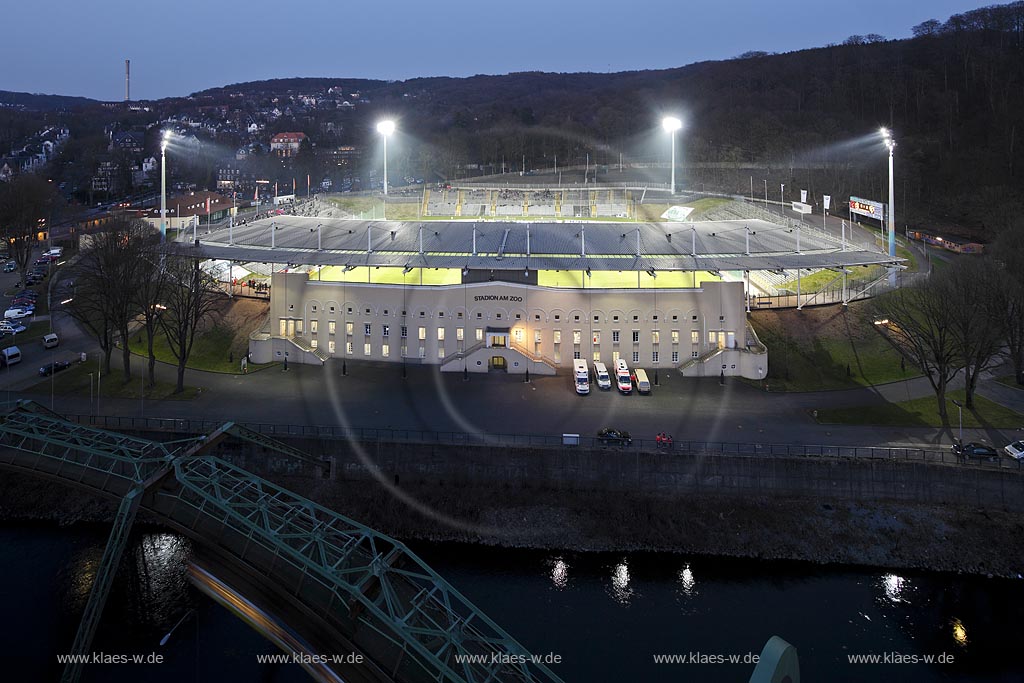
(623, 471)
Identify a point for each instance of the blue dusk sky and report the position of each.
(76, 47)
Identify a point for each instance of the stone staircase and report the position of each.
(304, 344)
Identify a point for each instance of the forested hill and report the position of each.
(953, 94)
(36, 102)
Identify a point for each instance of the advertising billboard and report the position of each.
(866, 207)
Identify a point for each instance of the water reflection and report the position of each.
(959, 632)
(896, 588)
(621, 591)
(687, 584)
(560, 573)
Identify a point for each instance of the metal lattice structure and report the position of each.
(401, 614)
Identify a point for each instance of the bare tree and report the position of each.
(191, 296)
(969, 288)
(1009, 293)
(107, 274)
(919, 323)
(148, 295)
(24, 202)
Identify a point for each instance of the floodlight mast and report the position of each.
(671, 124)
(890, 144)
(386, 128)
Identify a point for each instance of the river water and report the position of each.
(606, 615)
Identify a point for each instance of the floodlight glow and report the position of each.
(671, 124)
(386, 127)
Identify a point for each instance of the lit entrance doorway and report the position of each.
(498, 363)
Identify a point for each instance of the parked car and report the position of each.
(54, 367)
(11, 327)
(10, 267)
(1015, 450)
(609, 436)
(17, 313)
(975, 451)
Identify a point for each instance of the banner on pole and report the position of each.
(828, 201)
(866, 207)
(803, 196)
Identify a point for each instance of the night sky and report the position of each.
(70, 47)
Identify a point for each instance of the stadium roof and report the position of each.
(719, 245)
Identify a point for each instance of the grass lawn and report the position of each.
(215, 350)
(825, 348)
(924, 412)
(76, 381)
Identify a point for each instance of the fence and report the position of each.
(680, 447)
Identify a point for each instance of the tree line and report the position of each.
(963, 318)
(129, 281)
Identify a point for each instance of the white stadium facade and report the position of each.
(523, 296)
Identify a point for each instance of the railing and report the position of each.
(703, 358)
(515, 346)
(686, 448)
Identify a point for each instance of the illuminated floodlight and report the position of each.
(386, 127)
(671, 124)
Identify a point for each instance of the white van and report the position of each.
(50, 341)
(10, 356)
(622, 378)
(643, 385)
(581, 376)
(604, 381)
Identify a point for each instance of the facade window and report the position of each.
(330, 347)
(636, 318)
(348, 348)
(498, 316)
(576, 355)
(459, 315)
(367, 311)
(479, 334)
(440, 352)
(423, 314)
(655, 337)
(615, 357)
(332, 309)
(615, 336)
(693, 354)
(558, 336)
(597, 318)
(423, 352)
(440, 334)
(694, 318)
(479, 315)
(385, 311)
(422, 334)
(366, 349)
(459, 336)
(615, 318)
(636, 336)
(314, 308)
(536, 336)
(636, 356)
(519, 316)
(385, 350)
(597, 337)
(298, 326)
(385, 330)
(712, 337)
(576, 318)
(517, 334)
(366, 329)
(654, 357)
(440, 314)
(312, 343)
(558, 356)
(695, 336)
(675, 356)
(597, 356)
(405, 332)
(350, 328)
(536, 316)
(577, 336)
(332, 327)
(404, 350)
(675, 336)
(313, 326)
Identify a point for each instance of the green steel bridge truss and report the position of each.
(401, 613)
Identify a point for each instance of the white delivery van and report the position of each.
(643, 385)
(622, 378)
(604, 381)
(50, 341)
(10, 356)
(581, 376)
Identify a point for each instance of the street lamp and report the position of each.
(386, 128)
(890, 144)
(960, 414)
(671, 124)
(163, 184)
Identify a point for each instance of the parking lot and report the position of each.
(36, 325)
